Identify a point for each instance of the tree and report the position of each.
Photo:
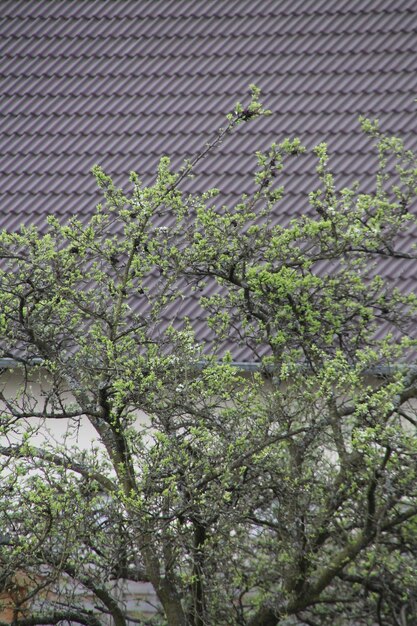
(282, 496)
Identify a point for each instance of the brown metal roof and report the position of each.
(122, 83)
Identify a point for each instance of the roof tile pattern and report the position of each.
(122, 83)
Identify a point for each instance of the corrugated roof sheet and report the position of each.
(122, 83)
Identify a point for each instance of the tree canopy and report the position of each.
(283, 495)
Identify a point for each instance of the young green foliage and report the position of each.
(285, 496)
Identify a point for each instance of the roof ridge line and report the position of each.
(192, 36)
(177, 94)
(145, 56)
(159, 133)
(210, 74)
(164, 16)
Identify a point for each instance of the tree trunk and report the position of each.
(172, 606)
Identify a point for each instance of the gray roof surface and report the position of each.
(121, 83)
